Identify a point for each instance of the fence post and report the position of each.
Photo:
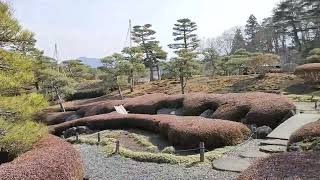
(117, 146)
(316, 104)
(77, 136)
(99, 137)
(202, 148)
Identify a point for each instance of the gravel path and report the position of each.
(98, 167)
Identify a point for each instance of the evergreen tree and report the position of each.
(185, 38)
(143, 35)
(251, 30)
(134, 57)
(238, 41)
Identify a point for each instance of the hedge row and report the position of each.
(51, 158)
(251, 108)
(292, 165)
(180, 131)
(308, 131)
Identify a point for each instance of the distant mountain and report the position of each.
(93, 62)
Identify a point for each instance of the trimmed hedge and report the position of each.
(306, 132)
(250, 108)
(309, 72)
(292, 165)
(86, 93)
(51, 158)
(180, 131)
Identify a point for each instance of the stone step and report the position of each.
(231, 164)
(253, 154)
(278, 142)
(273, 149)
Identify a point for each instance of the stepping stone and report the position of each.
(253, 154)
(278, 142)
(284, 130)
(273, 149)
(231, 164)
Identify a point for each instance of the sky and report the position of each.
(98, 28)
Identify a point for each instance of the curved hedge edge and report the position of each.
(308, 131)
(51, 158)
(180, 131)
(291, 165)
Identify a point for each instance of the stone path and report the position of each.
(231, 164)
(284, 130)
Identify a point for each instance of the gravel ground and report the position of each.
(98, 167)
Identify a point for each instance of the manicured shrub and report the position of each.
(180, 131)
(18, 137)
(292, 165)
(86, 93)
(50, 158)
(309, 72)
(251, 108)
(308, 131)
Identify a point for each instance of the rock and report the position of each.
(263, 131)
(231, 164)
(279, 142)
(69, 132)
(272, 149)
(207, 113)
(74, 130)
(253, 154)
(170, 111)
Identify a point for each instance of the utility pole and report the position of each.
(130, 35)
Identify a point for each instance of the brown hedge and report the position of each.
(292, 165)
(180, 131)
(308, 131)
(308, 67)
(51, 158)
(252, 108)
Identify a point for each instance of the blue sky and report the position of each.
(97, 28)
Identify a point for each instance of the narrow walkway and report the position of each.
(284, 130)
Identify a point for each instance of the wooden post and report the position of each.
(316, 104)
(117, 147)
(202, 148)
(99, 137)
(77, 136)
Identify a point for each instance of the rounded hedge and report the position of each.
(50, 158)
(309, 72)
(250, 108)
(308, 131)
(292, 165)
(180, 131)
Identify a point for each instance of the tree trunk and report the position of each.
(158, 71)
(151, 73)
(131, 80)
(60, 100)
(182, 84)
(120, 91)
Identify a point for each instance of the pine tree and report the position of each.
(143, 35)
(183, 31)
(186, 40)
(238, 41)
(251, 32)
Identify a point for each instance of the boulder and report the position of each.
(263, 131)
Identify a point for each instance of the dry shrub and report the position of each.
(51, 158)
(292, 165)
(180, 131)
(252, 108)
(309, 72)
(308, 131)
